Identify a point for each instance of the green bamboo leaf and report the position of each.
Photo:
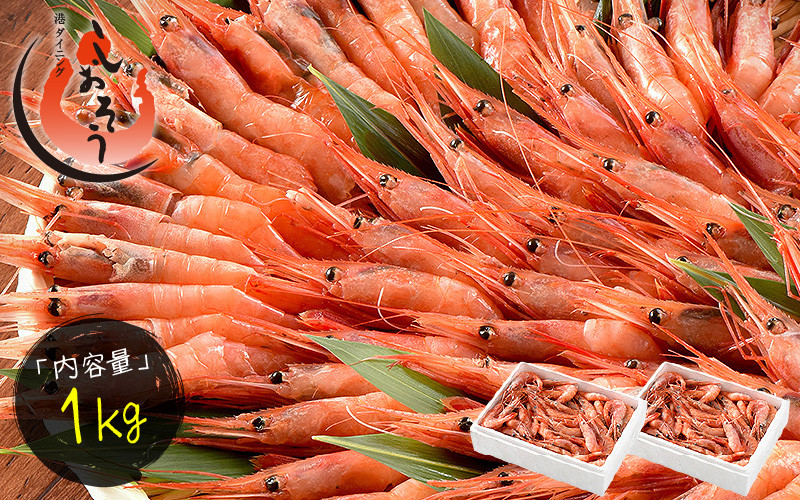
(379, 134)
(125, 24)
(412, 458)
(413, 389)
(712, 282)
(762, 231)
(602, 18)
(470, 67)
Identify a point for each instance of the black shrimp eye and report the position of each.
(653, 118)
(505, 482)
(533, 245)
(625, 21)
(485, 332)
(227, 20)
(357, 222)
(54, 288)
(785, 212)
(456, 143)
(509, 278)
(656, 316)
(715, 230)
(272, 484)
(565, 89)
(682, 258)
(387, 181)
(46, 258)
(74, 193)
(609, 164)
(258, 424)
(333, 273)
(55, 307)
(276, 377)
(69, 161)
(632, 363)
(464, 424)
(764, 389)
(776, 21)
(168, 22)
(727, 91)
(484, 107)
(580, 28)
(50, 387)
(61, 179)
(655, 23)
(775, 325)
(46, 238)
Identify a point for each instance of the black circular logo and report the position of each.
(101, 396)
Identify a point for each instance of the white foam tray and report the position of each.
(732, 477)
(563, 468)
(28, 281)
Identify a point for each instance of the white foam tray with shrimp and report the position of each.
(727, 475)
(28, 281)
(563, 468)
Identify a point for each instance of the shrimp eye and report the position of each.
(54, 288)
(715, 230)
(486, 362)
(74, 193)
(655, 23)
(484, 107)
(775, 325)
(276, 377)
(625, 21)
(157, 59)
(776, 21)
(565, 89)
(464, 424)
(632, 363)
(272, 484)
(764, 389)
(55, 307)
(50, 387)
(656, 316)
(46, 258)
(505, 482)
(333, 274)
(258, 424)
(84, 116)
(580, 28)
(727, 91)
(485, 332)
(61, 179)
(682, 258)
(357, 223)
(456, 143)
(509, 278)
(168, 22)
(227, 20)
(653, 118)
(534, 245)
(609, 164)
(387, 181)
(786, 212)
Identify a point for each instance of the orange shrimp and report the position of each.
(651, 70)
(751, 63)
(426, 344)
(124, 222)
(449, 431)
(361, 41)
(135, 301)
(235, 33)
(544, 339)
(298, 26)
(407, 490)
(230, 100)
(445, 13)
(291, 429)
(342, 472)
(783, 94)
(791, 490)
(781, 468)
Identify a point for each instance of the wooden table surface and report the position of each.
(21, 21)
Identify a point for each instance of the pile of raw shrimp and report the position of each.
(549, 227)
(700, 416)
(558, 417)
